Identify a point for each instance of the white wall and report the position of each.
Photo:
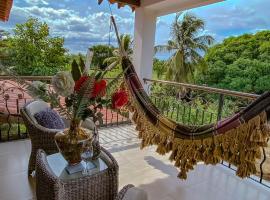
(144, 41)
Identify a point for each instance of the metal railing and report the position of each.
(204, 105)
(13, 97)
(185, 110)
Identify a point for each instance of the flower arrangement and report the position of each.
(84, 97)
(77, 95)
(84, 93)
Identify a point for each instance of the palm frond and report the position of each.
(115, 81)
(112, 65)
(110, 60)
(164, 48)
(204, 39)
(83, 97)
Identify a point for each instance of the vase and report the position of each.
(71, 142)
(95, 145)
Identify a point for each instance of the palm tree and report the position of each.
(187, 46)
(115, 60)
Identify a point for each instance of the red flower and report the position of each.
(119, 99)
(99, 86)
(79, 83)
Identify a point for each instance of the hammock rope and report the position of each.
(237, 140)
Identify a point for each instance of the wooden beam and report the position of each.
(5, 7)
(131, 3)
(135, 3)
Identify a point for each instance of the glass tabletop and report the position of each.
(58, 166)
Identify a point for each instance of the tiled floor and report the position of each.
(143, 168)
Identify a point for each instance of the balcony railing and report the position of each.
(13, 97)
(197, 105)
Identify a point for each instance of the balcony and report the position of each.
(143, 168)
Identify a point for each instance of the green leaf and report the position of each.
(82, 64)
(75, 71)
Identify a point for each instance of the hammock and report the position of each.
(237, 140)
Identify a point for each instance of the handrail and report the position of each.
(191, 86)
(206, 88)
(28, 78)
(34, 78)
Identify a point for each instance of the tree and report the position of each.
(5, 48)
(35, 52)
(3, 34)
(115, 59)
(239, 63)
(101, 52)
(187, 46)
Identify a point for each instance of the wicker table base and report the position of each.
(100, 185)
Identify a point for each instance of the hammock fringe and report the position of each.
(237, 140)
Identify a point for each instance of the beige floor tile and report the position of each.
(16, 147)
(168, 198)
(16, 186)
(10, 163)
(13, 157)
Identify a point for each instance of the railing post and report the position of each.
(220, 106)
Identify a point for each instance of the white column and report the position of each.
(144, 41)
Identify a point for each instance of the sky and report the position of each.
(84, 23)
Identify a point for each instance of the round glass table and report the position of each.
(60, 168)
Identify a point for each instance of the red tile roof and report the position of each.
(5, 7)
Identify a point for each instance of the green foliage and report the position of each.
(101, 52)
(34, 52)
(115, 60)
(75, 71)
(239, 63)
(202, 109)
(159, 67)
(81, 64)
(70, 57)
(5, 52)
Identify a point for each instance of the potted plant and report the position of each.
(78, 95)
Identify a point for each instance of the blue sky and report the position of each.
(84, 23)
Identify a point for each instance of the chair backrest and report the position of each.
(34, 107)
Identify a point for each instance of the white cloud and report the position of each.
(79, 31)
(37, 2)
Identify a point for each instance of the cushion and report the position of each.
(49, 118)
(135, 193)
(34, 107)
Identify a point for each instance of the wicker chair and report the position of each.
(41, 137)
